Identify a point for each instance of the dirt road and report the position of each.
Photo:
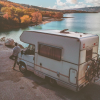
(16, 86)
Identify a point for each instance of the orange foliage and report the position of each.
(58, 15)
(11, 4)
(29, 11)
(16, 20)
(52, 14)
(5, 16)
(9, 10)
(25, 19)
(20, 14)
(36, 17)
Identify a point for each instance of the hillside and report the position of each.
(80, 10)
(41, 8)
(14, 15)
(90, 9)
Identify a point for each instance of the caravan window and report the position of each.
(50, 51)
(30, 50)
(88, 54)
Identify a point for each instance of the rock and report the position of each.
(9, 42)
(2, 39)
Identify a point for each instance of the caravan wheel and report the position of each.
(22, 68)
(52, 82)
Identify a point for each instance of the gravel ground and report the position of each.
(16, 86)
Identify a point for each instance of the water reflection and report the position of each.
(39, 27)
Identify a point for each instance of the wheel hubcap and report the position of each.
(23, 68)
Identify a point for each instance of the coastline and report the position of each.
(48, 20)
(45, 20)
(11, 27)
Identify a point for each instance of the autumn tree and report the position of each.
(58, 15)
(16, 20)
(25, 19)
(5, 16)
(1, 5)
(4, 9)
(19, 12)
(36, 17)
(14, 12)
(46, 14)
(28, 11)
(11, 4)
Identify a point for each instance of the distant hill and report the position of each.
(63, 11)
(77, 10)
(40, 8)
(89, 9)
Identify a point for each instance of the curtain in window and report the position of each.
(50, 52)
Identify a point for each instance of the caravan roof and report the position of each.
(65, 33)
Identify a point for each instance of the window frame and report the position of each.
(51, 47)
(33, 46)
(91, 54)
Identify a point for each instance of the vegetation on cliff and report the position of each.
(16, 15)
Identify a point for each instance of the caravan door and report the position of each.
(28, 57)
(73, 76)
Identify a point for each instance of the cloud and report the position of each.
(89, 6)
(94, 2)
(78, 5)
(69, 4)
(40, 6)
(91, 1)
(59, 3)
(49, 7)
(54, 7)
(71, 1)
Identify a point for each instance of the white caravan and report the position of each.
(59, 56)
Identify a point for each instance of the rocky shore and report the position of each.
(9, 42)
(4, 40)
(49, 19)
(45, 20)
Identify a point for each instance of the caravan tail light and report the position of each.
(83, 45)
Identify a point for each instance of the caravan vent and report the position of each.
(64, 31)
(85, 33)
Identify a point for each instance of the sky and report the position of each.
(60, 4)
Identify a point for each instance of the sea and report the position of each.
(78, 22)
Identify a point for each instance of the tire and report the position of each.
(52, 82)
(22, 68)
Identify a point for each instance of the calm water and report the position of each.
(82, 22)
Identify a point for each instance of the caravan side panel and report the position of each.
(70, 46)
(89, 43)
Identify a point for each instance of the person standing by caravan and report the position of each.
(16, 51)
